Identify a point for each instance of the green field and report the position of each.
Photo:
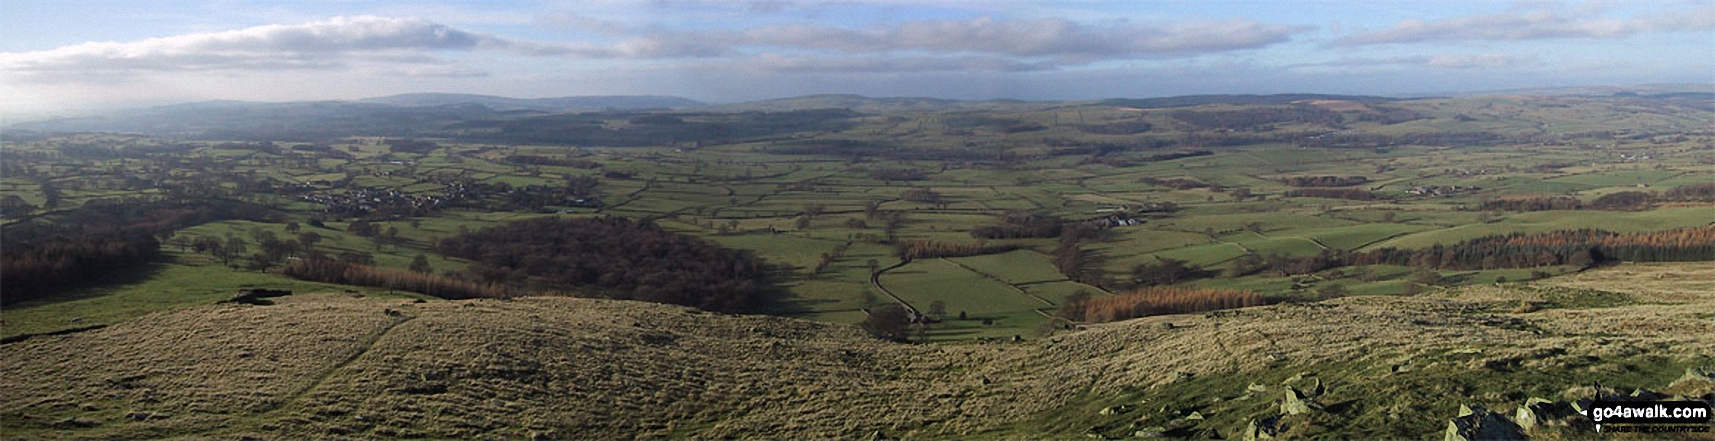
(791, 198)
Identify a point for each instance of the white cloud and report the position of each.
(1492, 60)
(1534, 25)
(321, 44)
(1014, 38)
(875, 64)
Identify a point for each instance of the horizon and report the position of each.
(59, 60)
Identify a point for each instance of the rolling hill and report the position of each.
(334, 365)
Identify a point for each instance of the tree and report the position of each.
(292, 227)
(308, 239)
(420, 265)
(891, 320)
(234, 247)
(938, 309)
(802, 223)
(363, 228)
(1426, 277)
(1073, 308)
(874, 266)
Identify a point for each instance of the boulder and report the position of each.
(1294, 403)
(1266, 428)
(1478, 423)
(255, 296)
(1537, 411)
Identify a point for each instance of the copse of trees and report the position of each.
(411, 146)
(1333, 193)
(349, 271)
(552, 161)
(924, 248)
(1582, 247)
(1325, 181)
(1700, 192)
(612, 257)
(1071, 260)
(921, 194)
(50, 255)
(897, 174)
(42, 268)
(1167, 272)
(1624, 201)
(1531, 203)
(1156, 300)
(1020, 225)
(1175, 183)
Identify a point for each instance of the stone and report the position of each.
(1537, 411)
(77, 423)
(1266, 428)
(1294, 403)
(1478, 423)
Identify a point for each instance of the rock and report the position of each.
(1266, 428)
(1696, 381)
(1147, 433)
(1294, 403)
(1641, 394)
(1116, 410)
(1194, 416)
(76, 422)
(1478, 423)
(255, 296)
(1537, 411)
(1256, 388)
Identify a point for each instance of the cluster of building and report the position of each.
(367, 200)
(1441, 190)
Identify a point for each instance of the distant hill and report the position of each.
(569, 103)
(1198, 100)
(866, 104)
(295, 121)
(1655, 90)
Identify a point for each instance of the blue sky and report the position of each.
(68, 56)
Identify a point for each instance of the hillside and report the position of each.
(567, 103)
(319, 365)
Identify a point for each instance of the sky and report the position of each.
(62, 57)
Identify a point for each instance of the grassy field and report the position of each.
(790, 207)
(332, 365)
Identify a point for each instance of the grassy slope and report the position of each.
(337, 366)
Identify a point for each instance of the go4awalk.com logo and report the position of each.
(1650, 416)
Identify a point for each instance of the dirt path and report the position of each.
(322, 377)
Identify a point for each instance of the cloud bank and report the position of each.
(1533, 25)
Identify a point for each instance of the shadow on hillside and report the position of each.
(97, 286)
